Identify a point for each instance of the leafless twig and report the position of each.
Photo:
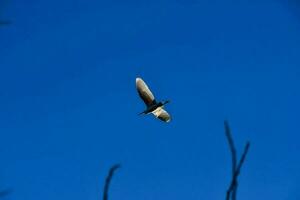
(108, 180)
(231, 192)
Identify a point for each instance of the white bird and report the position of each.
(154, 107)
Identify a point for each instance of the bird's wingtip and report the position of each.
(138, 79)
(168, 120)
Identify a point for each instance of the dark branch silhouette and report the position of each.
(236, 168)
(231, 146)
(108, 180)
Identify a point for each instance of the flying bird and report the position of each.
(154, 107)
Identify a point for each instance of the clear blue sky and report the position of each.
(68, 103)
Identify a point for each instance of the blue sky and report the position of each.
(68, 104)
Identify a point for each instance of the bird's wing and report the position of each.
(144, 92)
(161, 114)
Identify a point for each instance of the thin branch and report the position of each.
(231, 192)
(231, 146)
(233, 156)
(238, 169)
(234, 182)
(108, 180)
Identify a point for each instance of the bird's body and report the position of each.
(154, 107)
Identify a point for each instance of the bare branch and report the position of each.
(231, 192)
(233, 157)
(246, 149)
(231, 146)
(108, 180)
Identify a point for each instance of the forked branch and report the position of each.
(236, 168)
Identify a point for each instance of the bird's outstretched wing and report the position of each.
(161, 114)
(144, 92)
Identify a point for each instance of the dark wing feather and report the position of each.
(144, 92)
